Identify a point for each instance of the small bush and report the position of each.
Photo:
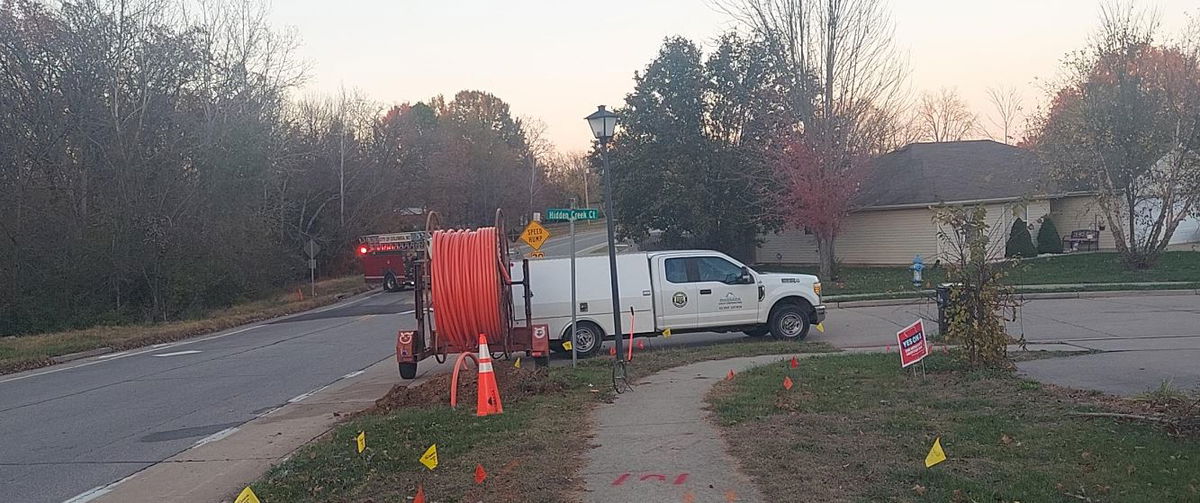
(978, 297)
(1048, 240)
(1020, 242)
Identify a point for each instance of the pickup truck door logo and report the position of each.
(679, 299)
(728, 302)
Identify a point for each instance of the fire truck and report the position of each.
(388, 258)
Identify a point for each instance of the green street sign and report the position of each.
(565, 214)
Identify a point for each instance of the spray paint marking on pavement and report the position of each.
(679, 479)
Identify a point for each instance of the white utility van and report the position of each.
(684, 291)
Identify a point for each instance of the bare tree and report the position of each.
(1006, 104)
(571, 172)
(1126, 124)
(945, 117)
(851, 83)
(540, 152)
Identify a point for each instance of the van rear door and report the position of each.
(677, 296)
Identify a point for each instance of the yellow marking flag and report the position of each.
(936, 454)
(429, 459)
(517, 363)
(246, 496)
(666, 332)
(362, 441)
(821, 327)
(567, 345)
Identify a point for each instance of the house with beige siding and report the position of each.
(894, 221)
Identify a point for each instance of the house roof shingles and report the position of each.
(948, 172)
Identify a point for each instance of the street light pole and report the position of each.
(604, 125)
(609, 216)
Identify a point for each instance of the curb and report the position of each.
(80, 355)
(1104, 294)
(1022, 296)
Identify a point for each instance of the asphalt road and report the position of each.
(73, 427)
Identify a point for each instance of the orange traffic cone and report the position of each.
(489, 394)
(794, 362)
(612, 351)
(420, 498)
(729, 376)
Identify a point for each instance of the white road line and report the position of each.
(98, 491)
(90, 494)
(268, 412)
(180, 353)
(216, 436)
(110, 355)
(353, 374)
(302, 396)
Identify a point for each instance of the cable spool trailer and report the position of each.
(462, 288)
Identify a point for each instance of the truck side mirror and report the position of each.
(746, 278)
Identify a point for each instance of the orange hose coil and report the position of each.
(465, 284)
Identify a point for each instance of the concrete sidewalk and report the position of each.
(655, 443)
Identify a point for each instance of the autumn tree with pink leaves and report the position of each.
(818, 192)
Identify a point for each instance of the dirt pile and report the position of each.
(515, 384)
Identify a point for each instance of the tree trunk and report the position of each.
(825, 258)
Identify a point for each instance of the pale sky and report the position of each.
(555, 60)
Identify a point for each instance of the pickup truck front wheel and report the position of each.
(789, 322)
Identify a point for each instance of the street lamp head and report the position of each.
(603, 124)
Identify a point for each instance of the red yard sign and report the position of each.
(913, 344)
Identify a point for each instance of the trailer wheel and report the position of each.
(789, 322)
(589, 337)
(389, 283)
(408, 370)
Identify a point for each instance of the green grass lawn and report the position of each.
(858, 428)
(1081, 268)
(532, 452)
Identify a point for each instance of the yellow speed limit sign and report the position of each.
(535, 235)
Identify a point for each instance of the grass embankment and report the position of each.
(858, 428)
(31, 351)
(531, 452)
(1078, 268)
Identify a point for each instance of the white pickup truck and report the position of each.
(684, 291)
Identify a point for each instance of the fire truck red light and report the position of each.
(362, 250)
